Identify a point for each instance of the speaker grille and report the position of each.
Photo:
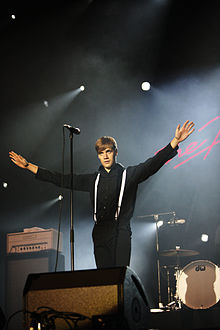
(87, 301)
(90, 293)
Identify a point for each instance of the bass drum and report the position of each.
(198, 284)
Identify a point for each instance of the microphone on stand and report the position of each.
(74, 130)
(180, 221)
(175, 221)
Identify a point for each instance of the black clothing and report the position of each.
(114, 252)
(107, 229)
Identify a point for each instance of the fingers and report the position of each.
(192, 130)
(17, 159)
(12, 155)
(184, 125)
(190, 125)
(183, 132)
(14, 161)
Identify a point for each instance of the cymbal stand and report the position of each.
(160, 304)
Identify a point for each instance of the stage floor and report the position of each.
(186, 319)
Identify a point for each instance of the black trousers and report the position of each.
(112, 250)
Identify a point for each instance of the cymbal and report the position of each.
(179, 253)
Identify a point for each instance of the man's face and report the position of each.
(107, 158)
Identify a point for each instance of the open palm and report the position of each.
(18, 159)
(183, 132)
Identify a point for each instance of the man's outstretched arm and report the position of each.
(81, 182)
(182, 133)
(153, 164)
(22, 162)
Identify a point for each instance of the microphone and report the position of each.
(180, 221)
(74, 130)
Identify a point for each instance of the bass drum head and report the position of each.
(198, 284)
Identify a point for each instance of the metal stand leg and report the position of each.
(160, 304)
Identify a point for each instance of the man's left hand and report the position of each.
(182, 133)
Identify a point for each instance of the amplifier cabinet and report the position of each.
(33, 241)
(18, 267)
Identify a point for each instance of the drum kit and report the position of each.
(196, 285)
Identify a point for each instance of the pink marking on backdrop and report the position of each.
(212, 145)
(193, 146)
(208, 123)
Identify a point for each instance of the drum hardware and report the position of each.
(170, 294)
(173, 298)
(174, 305)
(197, 284)
(171, 221)
(178, 253)
(172, 302)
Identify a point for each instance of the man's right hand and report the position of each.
(22, 162)
(18, 159)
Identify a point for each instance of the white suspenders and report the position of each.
(120, 195)
(95, 196)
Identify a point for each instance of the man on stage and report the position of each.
(113, 193)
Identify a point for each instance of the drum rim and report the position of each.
(194, 261)
(178, 280)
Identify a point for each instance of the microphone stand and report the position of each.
(72, 130)
(71, 204)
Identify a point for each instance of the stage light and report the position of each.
(204, 238)
(82, 88)
(46, 104)
(5, 185)
(145, 86)
(159, 223)
(60, 197)
(13, 16)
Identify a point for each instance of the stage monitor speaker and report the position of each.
(103, 294)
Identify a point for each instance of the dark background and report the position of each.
(111, 47)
